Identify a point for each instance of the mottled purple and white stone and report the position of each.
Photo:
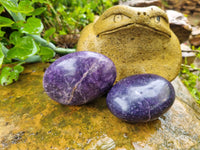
(141, 98)
(79, 77)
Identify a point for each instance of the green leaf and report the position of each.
(1, 9)
(17, 16)
(5, 50)
(41, 1)
(15, 37)
(5, 76)
(24, 49)
(4, 22)
(2, 33)
(19, 68)
(38, 11)
(12, 8)
(46, 53)
(18, 25)
(1, 54)
(10, 5)
(9, 75)
(25, 6)
(7, 61)
(33, 26)
(49, 32)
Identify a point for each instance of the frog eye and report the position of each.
(157, 19)
(117, 18)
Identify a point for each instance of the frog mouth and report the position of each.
(132, 25)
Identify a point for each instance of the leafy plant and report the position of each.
(190, 75)
(20, 38)
(71, 16)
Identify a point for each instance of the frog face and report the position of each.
(122, 17)
(138, 40)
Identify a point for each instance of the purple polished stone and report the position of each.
(79, 77)
(141, 98)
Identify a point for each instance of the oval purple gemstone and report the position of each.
(141, 98)
(79, 77)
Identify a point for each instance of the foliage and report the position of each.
(9, 75)
(190, 76)
(71, 16)
(23, 22)
(20, 39)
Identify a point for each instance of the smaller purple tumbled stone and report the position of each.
(79, 77)
(140, 98)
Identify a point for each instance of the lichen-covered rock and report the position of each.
(188, 56)
(195, 37)
(79, 77)
(141, 3)
(179, 25)
(189, 7)
(184, 95)
(137, 39)
(30, 119)
(140, 98)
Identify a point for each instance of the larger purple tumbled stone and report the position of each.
(141, 98)
(79, 77)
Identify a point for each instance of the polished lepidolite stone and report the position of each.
(79, 77)
(141, 98)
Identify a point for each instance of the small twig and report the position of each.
(190, 51)
(191, 69)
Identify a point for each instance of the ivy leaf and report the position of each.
(1, 54)
(9, 75)
(32, 26)
(25, 48)
(46, 53)
(15, 37)
(5, 22)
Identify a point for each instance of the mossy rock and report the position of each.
(30, 119)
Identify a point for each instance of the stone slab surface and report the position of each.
(29, 119)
